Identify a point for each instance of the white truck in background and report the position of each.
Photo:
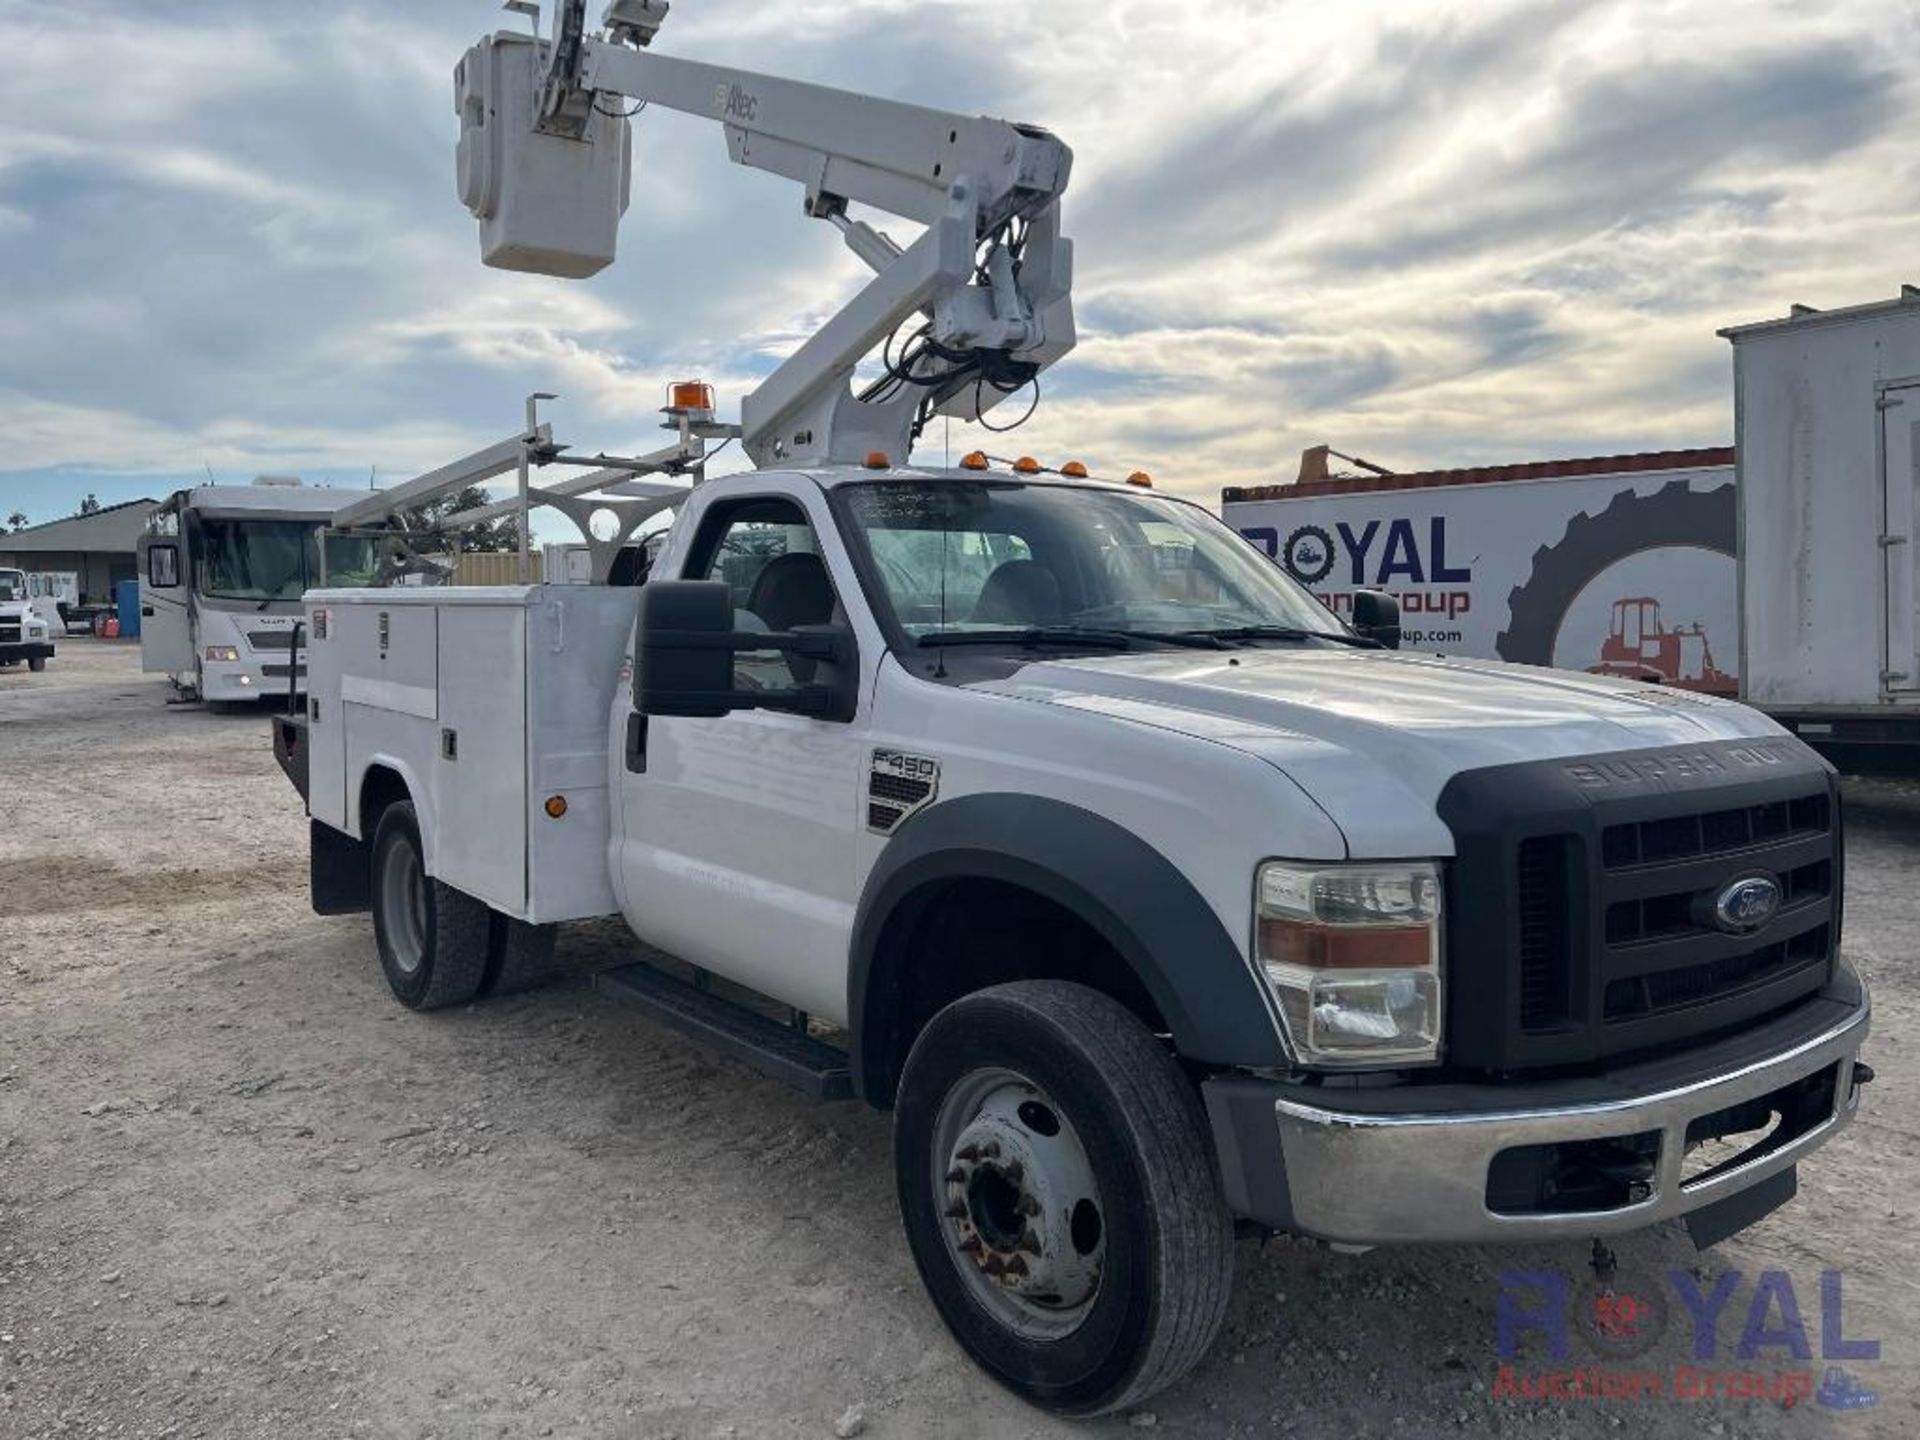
(1149, 895)
(222, 569)
(28, 621)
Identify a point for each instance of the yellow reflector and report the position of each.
(1142, 479)
(1074, 470)
(556, 806)
(975, 461)
(1026, 465)
(878, 460)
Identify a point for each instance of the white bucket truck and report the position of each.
(222, 570)
(28, 621)
(1048, 814)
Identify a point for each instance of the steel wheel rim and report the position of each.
(1019, 1206)
(403, 907)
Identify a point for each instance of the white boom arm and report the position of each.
(992, 275)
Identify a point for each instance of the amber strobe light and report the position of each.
(976, 460)
(690, 395)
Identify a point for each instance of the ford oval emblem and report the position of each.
(1747, 904)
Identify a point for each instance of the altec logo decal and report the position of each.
(1771, 1356)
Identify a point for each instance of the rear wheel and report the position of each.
(1060, 1196)
(432, 938)
(37, 664)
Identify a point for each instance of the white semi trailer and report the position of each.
(1827, 409)
(222, 570)
(1148, 894)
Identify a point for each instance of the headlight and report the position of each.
(222, 652)
(1353, 955)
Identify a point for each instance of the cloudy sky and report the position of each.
(1441, 232)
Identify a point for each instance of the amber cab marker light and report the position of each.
(975, 461)
(690, 395)
(1074, 470)
(1026, 465)
(878, 460)
(556, 806)
(1142, 479)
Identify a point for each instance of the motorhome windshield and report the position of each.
(273, 560)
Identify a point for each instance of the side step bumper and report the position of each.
(758, 1041)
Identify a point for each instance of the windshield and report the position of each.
(269, 560)
(959, 556)
(13, 585)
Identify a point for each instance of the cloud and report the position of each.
(1432, 231)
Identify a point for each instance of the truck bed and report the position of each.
(489, 703)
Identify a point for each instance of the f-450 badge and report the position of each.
(898, 785)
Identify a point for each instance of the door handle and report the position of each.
(637, 743)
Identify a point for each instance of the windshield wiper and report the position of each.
(1033, 636)
(1286, 632)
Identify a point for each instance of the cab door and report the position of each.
(738, 837)
(1900, 537)
(166, 622)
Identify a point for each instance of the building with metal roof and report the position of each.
(98, 547)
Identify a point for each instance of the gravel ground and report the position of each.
(242, 1193)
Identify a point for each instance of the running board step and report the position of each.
(758, 1041)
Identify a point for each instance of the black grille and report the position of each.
(9, 634)
(283, 672)
(1691, 984)
(1717, 832)
(270, 639)
(1545, 975)
(1580, 903)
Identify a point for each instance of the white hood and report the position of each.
(1373, 737)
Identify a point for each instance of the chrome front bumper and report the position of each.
(1378, 1174)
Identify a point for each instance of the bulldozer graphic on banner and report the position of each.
(1640, 647)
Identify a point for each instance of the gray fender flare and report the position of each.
(1198, 975)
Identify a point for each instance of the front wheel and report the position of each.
(432, 938)
(37, 664)
(1060, 1196)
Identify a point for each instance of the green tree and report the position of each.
(17, 520)
(489, 535)
(90, 505)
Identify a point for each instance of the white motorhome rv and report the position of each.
(222, 570)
